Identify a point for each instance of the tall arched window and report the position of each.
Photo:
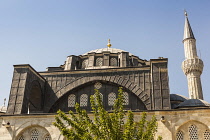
(99, 62)
(126, 98)
(193, 132)
(34, 134)
(111, 98)
(179, 135)
(206, 135)
(83, 100)
(71, 100)
(113, 62)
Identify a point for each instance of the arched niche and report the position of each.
(33, 133)
(35, 98)
(67, 101)
(193, 130)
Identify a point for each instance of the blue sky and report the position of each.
(42, 33)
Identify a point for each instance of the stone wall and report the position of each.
(175, 121)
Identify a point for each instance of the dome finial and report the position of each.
(109, 44)
(185, 13)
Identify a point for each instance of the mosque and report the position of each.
(36, 96)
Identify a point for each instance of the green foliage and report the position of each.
(104, 125)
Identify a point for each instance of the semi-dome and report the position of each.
(111, 50)
(194, 103)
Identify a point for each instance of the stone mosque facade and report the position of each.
(36, 96)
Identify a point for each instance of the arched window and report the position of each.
(99, 62)
(111, 98)
(21, 138)
(113, 62)
(179, 135)
(84, 63)
(206, 135)
(126, 98)
(71, 100)
(47, 137)
(83, 100)
(34, 134)
(193, 132)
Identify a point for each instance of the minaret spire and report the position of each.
(188, 33)
(192, 66)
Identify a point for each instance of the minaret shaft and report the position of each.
(192, 66)
(190, 48)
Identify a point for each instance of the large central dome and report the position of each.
(111, 50)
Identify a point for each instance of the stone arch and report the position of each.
(118, 80)
(27, 132)
(35, 97)
(193, 129)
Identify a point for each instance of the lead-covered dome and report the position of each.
(110, 50)
(193, 103)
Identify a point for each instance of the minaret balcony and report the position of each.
(192, 65)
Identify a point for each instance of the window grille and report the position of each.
(34, 134)
(193, 132)
(99, 61)
(206, 135)
(111, 98)
(21, 138)
(113, 62)
(126, 98)
(84, 63)
(71, 100)
(179, 135)
(98, 85)
(47, 137)
(83, 100)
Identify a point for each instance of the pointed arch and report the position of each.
(106, 87)
(119, 80)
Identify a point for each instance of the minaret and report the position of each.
(192, 66)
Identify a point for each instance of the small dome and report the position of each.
(111, 50)
(194, 103)
(177, 97)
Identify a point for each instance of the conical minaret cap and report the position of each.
(188, 33)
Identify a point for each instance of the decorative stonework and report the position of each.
(98, 85)
(190, 65)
